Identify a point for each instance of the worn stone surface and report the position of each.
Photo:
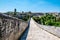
(11, 27)
(51, 29)
(36, 33)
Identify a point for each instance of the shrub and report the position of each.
(48, 19)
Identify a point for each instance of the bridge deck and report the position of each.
(36, 33)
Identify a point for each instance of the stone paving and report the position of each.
(36, 33)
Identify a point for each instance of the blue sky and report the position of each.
(30, 5)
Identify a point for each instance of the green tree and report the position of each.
(15, 12)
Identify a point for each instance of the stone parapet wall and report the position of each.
(11, 27)
(51, 29)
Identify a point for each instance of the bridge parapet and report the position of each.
(51, 29)
(11, 27)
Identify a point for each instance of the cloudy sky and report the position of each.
(30, 5)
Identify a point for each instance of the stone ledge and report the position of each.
(51, 29)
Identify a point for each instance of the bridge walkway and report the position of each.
(36, 33)
(33, 32)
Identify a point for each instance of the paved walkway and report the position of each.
(36, 33)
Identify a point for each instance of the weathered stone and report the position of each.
(36, 32)
(11, 27)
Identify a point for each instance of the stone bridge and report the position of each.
(41, 32)
(11, 28)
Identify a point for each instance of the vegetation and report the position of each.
(14, 12)
(48, 19)
(26, 17)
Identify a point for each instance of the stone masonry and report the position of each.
(11, 27)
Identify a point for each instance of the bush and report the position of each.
(48, 19)
(57, 23)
